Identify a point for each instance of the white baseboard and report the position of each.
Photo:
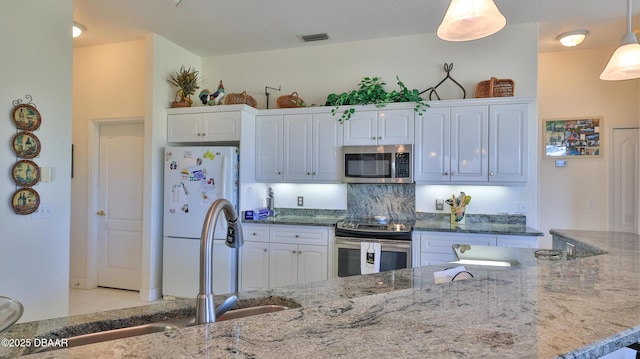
(151, 294)
(78, 283)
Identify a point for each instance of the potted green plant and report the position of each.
(371, 91)
(187, 82)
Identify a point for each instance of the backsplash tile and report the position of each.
(394, 201)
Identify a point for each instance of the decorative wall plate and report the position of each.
(26, 173)
(26, 117)
(26, 145)
(25, 201)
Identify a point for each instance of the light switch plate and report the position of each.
(439, 204)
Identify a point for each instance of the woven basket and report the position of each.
(290, 101)
(495, 88)
(240, 99)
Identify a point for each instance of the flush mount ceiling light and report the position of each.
(78, 29)
(625, 61)
(467, 20)
(572, 38)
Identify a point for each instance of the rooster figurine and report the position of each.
(217, 96)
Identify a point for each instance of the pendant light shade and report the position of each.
(625, 61)
(470, 20)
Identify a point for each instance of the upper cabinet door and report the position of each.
(508, 137)
(432, 149)
(361, 129)
(269, 148)
(469, 143)
(184, 127)
(396, 127)
(297, 147)
(221, 126)
(327, 148)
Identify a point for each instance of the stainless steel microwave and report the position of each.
(378, 164)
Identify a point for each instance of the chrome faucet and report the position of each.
(205, 306)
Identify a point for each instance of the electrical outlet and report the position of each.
(521, 207)
(439, 204)
(300, 201)
(591, 204)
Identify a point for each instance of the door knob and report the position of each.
(100, 213)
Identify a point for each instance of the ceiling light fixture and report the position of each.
(467, 20)
(78, 29)
(625, 61)
(572, 38)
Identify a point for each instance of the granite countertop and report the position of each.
(580, 308)
(478, 224)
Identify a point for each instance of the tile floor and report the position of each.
(83, 301)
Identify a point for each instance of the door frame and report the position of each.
(93, 176)
(611, 164)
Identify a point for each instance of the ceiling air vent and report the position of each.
(315, 37)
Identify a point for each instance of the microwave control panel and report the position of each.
(403, 165)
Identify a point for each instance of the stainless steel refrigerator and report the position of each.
(194, 177)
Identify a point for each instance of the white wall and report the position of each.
(163, 59)
(108, 83)
(316, 71)
(34, 255)
(570, 87)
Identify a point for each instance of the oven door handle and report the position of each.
(383, 242)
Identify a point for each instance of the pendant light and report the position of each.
(625, 61)
(470, 20)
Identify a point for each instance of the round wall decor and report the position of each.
(25, 201)
(26, 145)
(26, 117)
(26, 173)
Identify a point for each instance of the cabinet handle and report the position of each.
(373, 138)
(297, 236)
(299, 252)
(265, 249)
(308, 173)
(279, 173)
(253, 234)
(379, 137)
(453, 173)
(491, 174)
(313, 173)
(294, 252)
(446, 173)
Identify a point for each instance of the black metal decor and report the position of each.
(432, 90)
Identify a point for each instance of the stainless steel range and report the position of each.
(394, 238)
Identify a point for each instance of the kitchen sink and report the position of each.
(175, 323)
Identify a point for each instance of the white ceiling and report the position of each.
(219, 27)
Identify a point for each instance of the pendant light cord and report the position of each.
(628, 16)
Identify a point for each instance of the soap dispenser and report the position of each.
(270, 201)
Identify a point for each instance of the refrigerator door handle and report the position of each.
(224, 173)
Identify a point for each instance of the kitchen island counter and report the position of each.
(581, 308)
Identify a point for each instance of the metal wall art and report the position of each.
(26, 145)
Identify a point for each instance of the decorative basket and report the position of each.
(290, 101)
(239, 99)
(495, 88)
(180, 100)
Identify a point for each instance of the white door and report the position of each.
(120, 206)
(432, 150)
(469, 144)
(327, 148)
(297, 147)
(269, 148)
(624, 180)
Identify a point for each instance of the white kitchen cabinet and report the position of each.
(508, 138)
(203, 127)
(298, 148)
(435, 247)
(472, 144)
(269, 144)
(451, 145)
(254, 257)
(390, 127)
(279, 255)
(517, 241)
(254, 266)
